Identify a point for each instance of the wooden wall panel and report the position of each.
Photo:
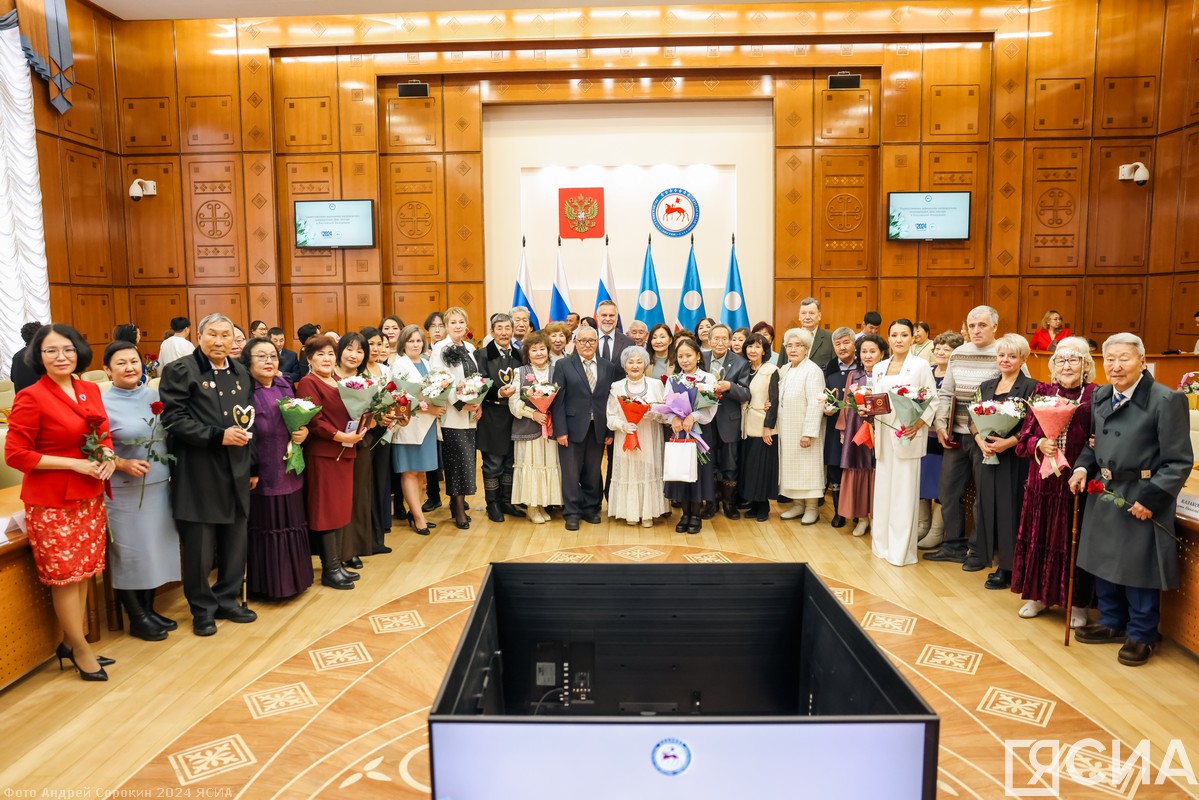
(1118, 239)
(227, 300)
(82, 122)
(842, 302)
(1006, 207)
(307, 178)
(901, 92)
(411, 124)
(116, 198)
(463, 113)
(847, 117)
(1128, 59)
(1113, 305)
(956, 168)
(324, 305)
(1064, 295)
(153, 226)
(152, 311)
(146, 88)
(61, 307)
(209, 106)
(945, 302)
(86, 210)
(412, 218)
(1175, 67)
(957, 92)
(54, 219)
(1192, 104)
(1009, 53)
(1061, 68)
(1187, 252)
(360, 181)
(897, 297)
(792, 213)
(1183, 330)
(94, 314)
(364, 305)
(845, 207)
(356, 104)
(793, 111)
(254, 77)
(787, 296)
(305, 101)
(214, 219)
(106, 62)
(464, 216)
(1157, 312)
(259, 210)
(472, 298)
(264, 305)
(413, 302)
(1167, 190)
(1003, 295)
(899, 172)
(1055, 205)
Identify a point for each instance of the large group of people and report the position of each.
(876, 424)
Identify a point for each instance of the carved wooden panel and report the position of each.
(228, 300)
(214, 222)
(53, 208)
(152, 311)
(846, 116)
(1009, 53)
(1167, 189)
(1055, 205)
(957, 168)
(306, 178)
(472, 298)
(792, 212)
(1157, 313)
(1063, 295)
(254, 77)
(1114, 305)
(464, 216)
(1006, 207)
(945, 302)
(793, 110)
(94, 314)
(82, 121)
(1060, 105)
(145, 61)
(1128, 59)
(305, 98)
(901, 91)
(463, 112)
(1119, 219)
(1188, 216)
(413, 302)
(360, 181)
(410, 124)
(412, 218)
(356, 84)
(845, 211)
(788, 294)
(364, 305)
(899, 172)
(86, 210)
(1127, 105)
(842, 302)
(208, 86)
(1003, 295)
(259, 211)
(264, 305)
(1061, 63)
(153, 235)
(323, 305)
(1183, 331)
(897, 298)
(957, 92)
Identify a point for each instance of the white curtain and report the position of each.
(24, 280)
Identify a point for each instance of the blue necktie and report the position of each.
(1117, 399)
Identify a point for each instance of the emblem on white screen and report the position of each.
(671, 756)
(675, 212)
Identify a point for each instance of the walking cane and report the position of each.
(1073, 556)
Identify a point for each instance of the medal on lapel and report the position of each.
(243, 417)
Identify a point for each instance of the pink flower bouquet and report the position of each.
(1053, 414)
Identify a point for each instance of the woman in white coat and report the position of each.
(897, 474)
(456, 355)
(801, 428)
(414, 446)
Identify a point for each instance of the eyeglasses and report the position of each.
(54, 351)
(1069, 361)
(266, 356)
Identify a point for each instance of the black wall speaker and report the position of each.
(413, 89)
(843, 80)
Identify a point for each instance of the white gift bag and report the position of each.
(679, 462)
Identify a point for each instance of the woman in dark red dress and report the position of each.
(329, 454)
(64, 512)
(1041, 563)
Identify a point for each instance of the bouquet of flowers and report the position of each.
(358, 393)
(994, 417)
(434, 389)
(1189, 383)
(703, 395)
(151, 362)
(1053, 414)
(634, 409)
(153, 443)
(540, 396)
(831, 401)
(297, 412)
(909, 404)
(677, 405)
(472, 388)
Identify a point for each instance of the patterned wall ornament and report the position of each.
(59, 69)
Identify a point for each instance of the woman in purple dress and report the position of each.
(857, 460)
(278, 561)
(1041, 563)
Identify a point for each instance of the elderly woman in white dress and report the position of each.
(801, 428)
(635, 493)
(536, 476)
(899, 448)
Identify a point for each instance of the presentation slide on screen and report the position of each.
(929, 215)
(601, 761)
(330, 223)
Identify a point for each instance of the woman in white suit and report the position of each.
(897, 474)
(414, 446)
(456, 355)
(801, 428)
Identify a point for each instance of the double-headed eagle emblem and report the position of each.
(580, 213)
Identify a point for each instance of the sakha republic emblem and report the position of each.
(675, 212)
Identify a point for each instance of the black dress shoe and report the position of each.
(744, 505)
(347, 574)
(592, 519)
(941, 554)
(203, 626)
(512, 511)
(494, 513)
(682, 526)
(837, 521)
(694, 524)
(572, 523)
(354, 563)
(1134, 654)
(335, 580)
(708, 511)
(432, 504)
(974, 564)
(999, 579)
(64, 652)
(762, 512)
(380, 551)
(1096, 633)
(237, 614)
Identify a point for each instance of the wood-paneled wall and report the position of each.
(1028, 105)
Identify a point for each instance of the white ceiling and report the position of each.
(223, 9)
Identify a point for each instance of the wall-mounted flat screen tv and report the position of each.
(325, 224)
(925, 216)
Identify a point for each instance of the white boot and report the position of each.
(647, 523)
(860, 528)
(793, 511)
(1078, 616)
(811, 514)
(924, 518)
(536, 515)
(936, 532)
(1031, 609)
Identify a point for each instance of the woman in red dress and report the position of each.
(1052, 331)
(50, 424)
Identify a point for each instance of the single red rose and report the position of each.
(95, 421)
(1095, 487)
(664, 379)
(151, 356)
(901, 391)
(391, 386)
(403, 401)
(156, 407)
(470, 335)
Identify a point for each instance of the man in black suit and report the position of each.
(289, 361)
(822, 341)
(211, 476)
(732, 375)
(580, 422)
(498, 361)
(611, 341)
(21, 374)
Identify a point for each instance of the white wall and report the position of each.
(721, 152)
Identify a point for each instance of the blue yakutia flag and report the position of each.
(522, 294)
(732, 311)
(691, 301)
(560, 294)
(607, 288)
(649, 301)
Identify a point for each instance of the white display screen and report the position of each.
(602, 761)
(928, 215)
(335, 223)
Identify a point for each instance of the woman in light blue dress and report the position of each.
(414, 446)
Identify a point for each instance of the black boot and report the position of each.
(333, 574)
(166, 623)
(506, 498)
(728, 498)
(491, 490)
(141, 625)
(837, 521)
(694, 518)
